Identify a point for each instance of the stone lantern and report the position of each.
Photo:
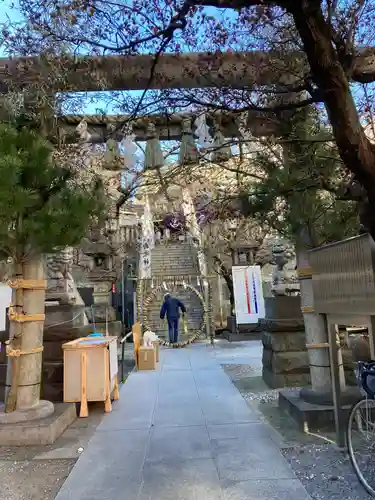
(243, 254)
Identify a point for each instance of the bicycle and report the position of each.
(361, 428)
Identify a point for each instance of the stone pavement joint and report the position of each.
(182, 432)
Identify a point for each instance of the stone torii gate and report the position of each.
(249, 70)
(167, 127)
(190, 70)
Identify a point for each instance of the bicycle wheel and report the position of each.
(361, 442)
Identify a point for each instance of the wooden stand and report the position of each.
(156, 345)
(91, 372)
(137, 336)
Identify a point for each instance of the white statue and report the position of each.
(129, 151)
(82, 131)
(244, 131)
(149, 338)
(203, 132)
(85, 138)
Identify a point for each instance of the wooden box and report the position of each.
(146, 358)
(90, 371)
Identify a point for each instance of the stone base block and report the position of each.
(239, 337)
(101, 312)
(277, 381)
(64, 315)
(283, 307)
(284, 341)
(286, 362)
(309, 417)
(240, 329)
(41, 411)
(281, 325)
(39, 432)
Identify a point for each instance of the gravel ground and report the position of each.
(33, 480)
(37, 473)
(325, 472)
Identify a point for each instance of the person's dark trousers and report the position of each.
(173, 330)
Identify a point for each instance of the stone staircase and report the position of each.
(171, 260)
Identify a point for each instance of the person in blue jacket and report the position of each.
(171, 308)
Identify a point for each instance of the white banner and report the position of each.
(5, 301)
(248, 294)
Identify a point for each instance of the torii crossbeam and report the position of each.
(190, 70)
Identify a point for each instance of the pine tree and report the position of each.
(44, 207)
(291, 199)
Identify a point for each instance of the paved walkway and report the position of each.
(182, 433)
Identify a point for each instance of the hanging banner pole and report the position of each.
(248, 294)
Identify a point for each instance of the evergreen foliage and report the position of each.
(290, 197)
(44, 205)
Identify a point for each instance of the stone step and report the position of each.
(175, 259)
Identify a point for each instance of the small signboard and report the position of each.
(248, 294)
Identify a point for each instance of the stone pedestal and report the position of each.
(67, 315)
(38, 432)
(283, 307)
(311, 417)
(102, 293)
(101, 312)
(236, 332)
(285, 360)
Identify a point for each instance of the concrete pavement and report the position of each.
(183, 433)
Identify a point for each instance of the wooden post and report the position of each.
(371, 338)
(136, 329)
(336, 385)
(84, 407)
(116, 394)
(107, 402)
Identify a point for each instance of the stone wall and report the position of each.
(285, 360)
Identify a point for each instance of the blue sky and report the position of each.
(92, 104)
(9, 10)
(99, 103)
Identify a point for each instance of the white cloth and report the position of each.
(129, 151)
(203, 132)
(147, 242)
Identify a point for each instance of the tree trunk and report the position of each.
(15, 332)
(227, 275)
(27, 337)
(330, 76)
